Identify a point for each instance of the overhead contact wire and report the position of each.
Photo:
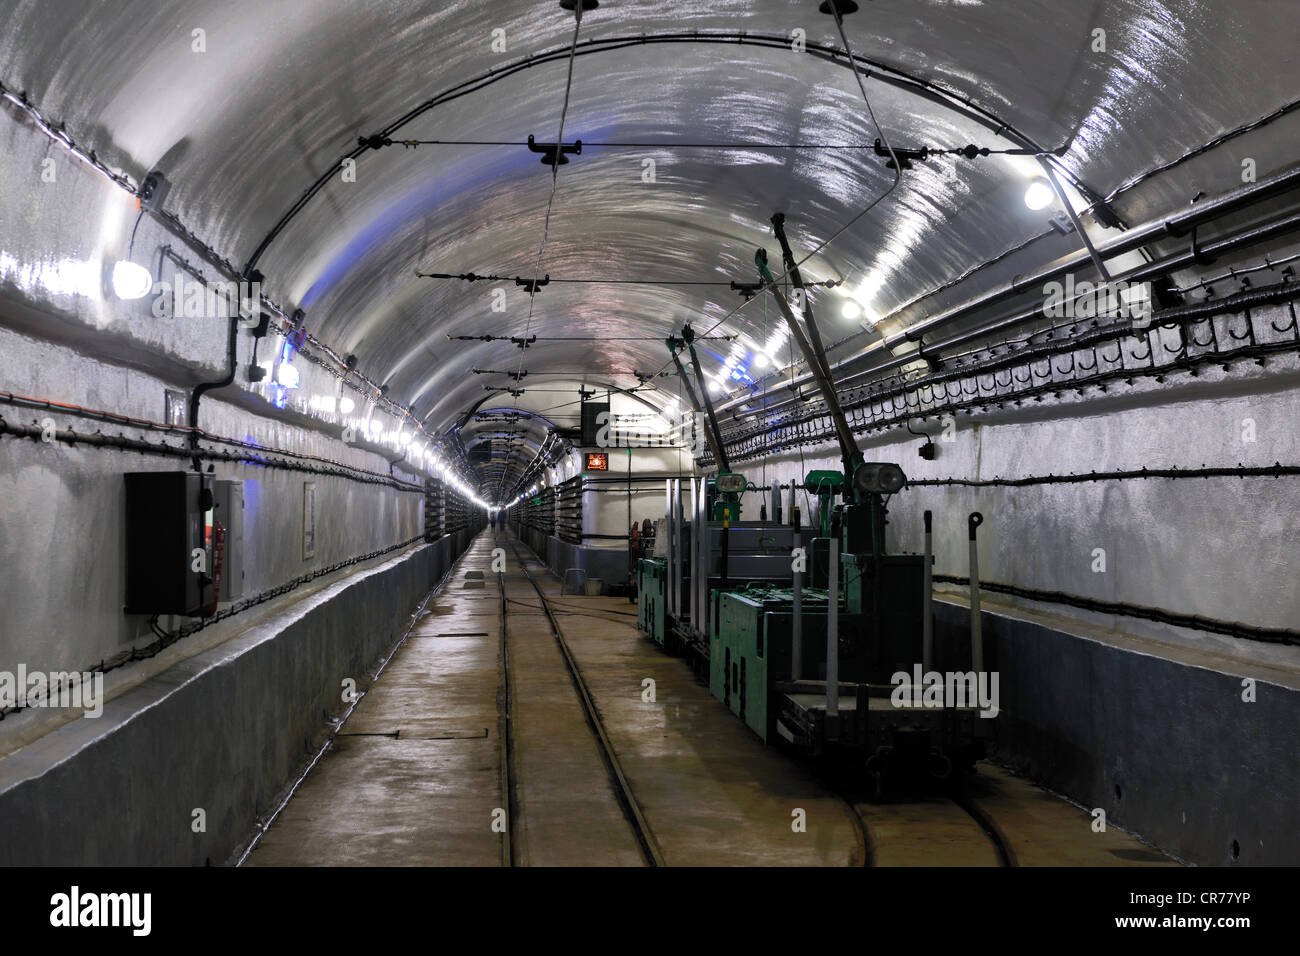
(898, 175)
(550, 203)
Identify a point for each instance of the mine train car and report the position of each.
(762, 640)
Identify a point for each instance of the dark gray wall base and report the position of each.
(226, 731)
(1169, 750)
(608, 565)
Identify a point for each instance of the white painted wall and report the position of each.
(605, 505)
(65, 337)
(62, 534)
(1227, 548)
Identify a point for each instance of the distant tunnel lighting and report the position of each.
(850, 310)
(131, 281)
(1039, 195)
(346, 405)
(288, 376)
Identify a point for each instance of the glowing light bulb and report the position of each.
(346, 405)
(850, 309)
(131, 281)
(761, 360)
(288, 376)
(1039, 195)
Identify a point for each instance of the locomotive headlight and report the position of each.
(731, 483)
(879, 477)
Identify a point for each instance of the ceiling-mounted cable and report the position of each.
(848, 51)
(580, 338)
(923, 153)
(530, 283)
(550, 202)
(945, 98)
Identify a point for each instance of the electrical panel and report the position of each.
(184, 543)
(166, 556)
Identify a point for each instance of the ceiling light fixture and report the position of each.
(1039, 195)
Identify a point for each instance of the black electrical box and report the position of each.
(595, 416)
(165, 542)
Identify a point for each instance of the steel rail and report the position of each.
(622, 787)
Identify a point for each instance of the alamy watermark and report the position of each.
(682, 430)
(946, 689)
(82, 690)
(133, 911)
(205, 300)
(1087, 300)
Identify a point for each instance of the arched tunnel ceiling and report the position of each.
(285, 88)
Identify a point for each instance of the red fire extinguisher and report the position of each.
(219, 551)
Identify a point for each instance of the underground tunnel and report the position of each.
(745, 434)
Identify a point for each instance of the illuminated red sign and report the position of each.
(597, 461)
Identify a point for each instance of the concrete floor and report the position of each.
(413, 776)
(415, 773)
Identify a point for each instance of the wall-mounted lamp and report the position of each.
(130, 280)
(287, 376)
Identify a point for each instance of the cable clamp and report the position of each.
(548, 150)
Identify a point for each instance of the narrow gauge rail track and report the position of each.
(1006, 855)
(864, 814)
(622, 787)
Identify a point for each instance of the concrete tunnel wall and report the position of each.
(224, 718)
(68, 339)
(225, 731)
(605, 503)
(65, 610)
(1165, 540)
(1168, 749)
(603, 554)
